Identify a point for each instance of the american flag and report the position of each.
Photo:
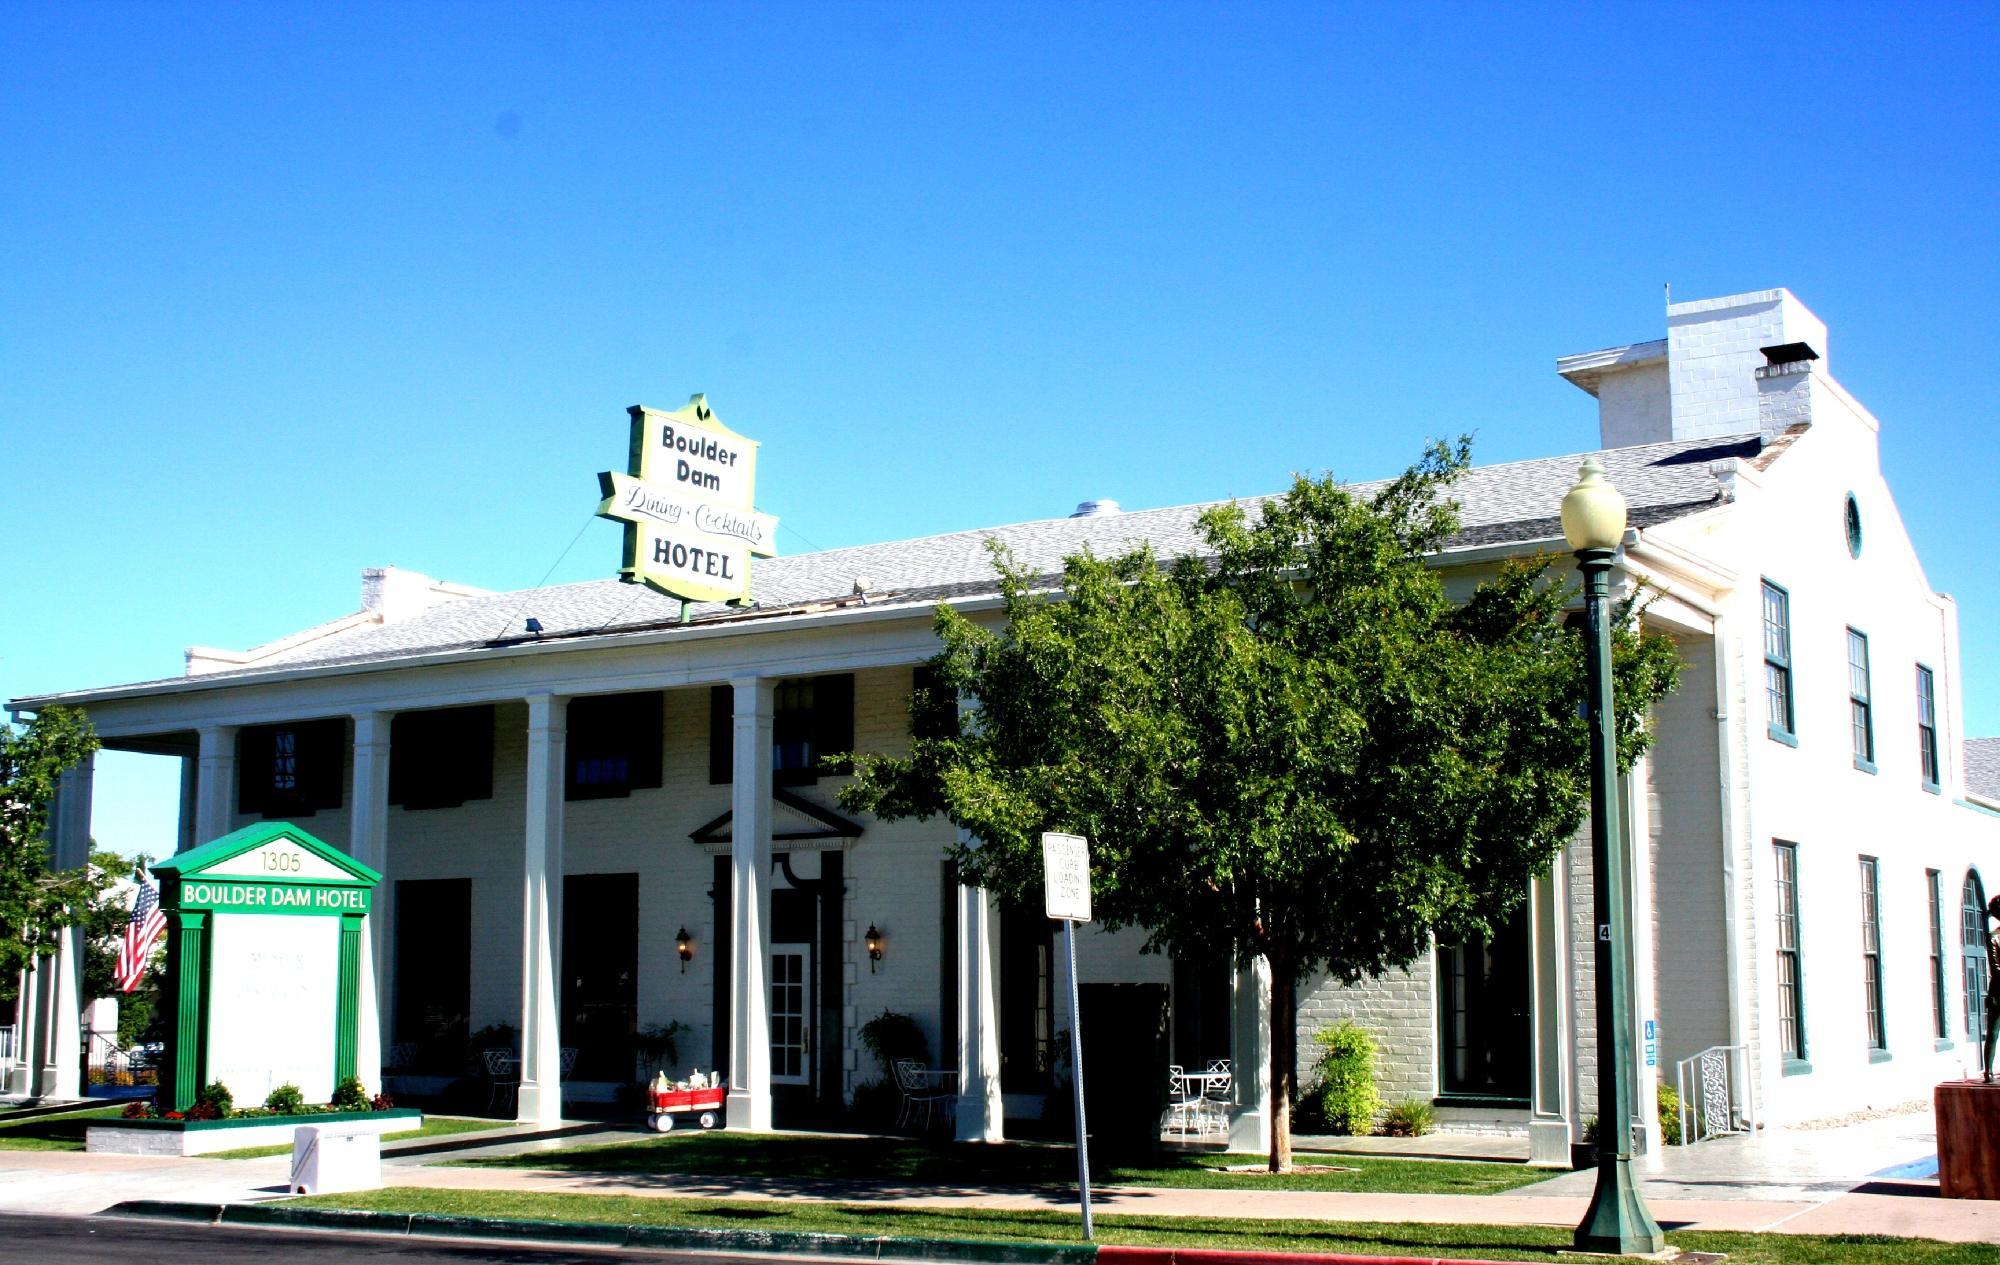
(141, 934)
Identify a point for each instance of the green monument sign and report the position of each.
(263, 963)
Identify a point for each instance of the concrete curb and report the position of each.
(1207, 1256)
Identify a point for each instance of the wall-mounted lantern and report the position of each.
(684, 945)
(874, 943)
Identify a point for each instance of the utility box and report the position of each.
(327, 1160)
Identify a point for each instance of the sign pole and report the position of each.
(1076, 1079)
(1066, 898)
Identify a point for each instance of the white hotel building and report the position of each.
(551, 810)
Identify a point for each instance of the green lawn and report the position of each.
(1524, 1243)
(433, 1126)
(946, 1163)
(52, 1133)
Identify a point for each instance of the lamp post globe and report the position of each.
(1593, 519)
(1593, 512)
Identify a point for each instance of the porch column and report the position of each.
(539, 1100)
(1548, 1108)
(750, 896)
(1642, 985)
(215, 784)
(60, 1074)
(184, 828)
(1250, 1058)
(980, 1111)
(368, 843)
(20, 1077)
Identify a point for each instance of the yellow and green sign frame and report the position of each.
(688, 502)
(269, 868)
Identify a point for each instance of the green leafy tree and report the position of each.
(104, 920)
(36, 900)
(1291, 745)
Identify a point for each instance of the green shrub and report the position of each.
(350, 1095)
(890, 1036)
(285, 1100)
(1670, 1116)
(1410, 1118)
(1342, 1097)
(217, 1099)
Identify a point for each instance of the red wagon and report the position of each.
(705, 1105)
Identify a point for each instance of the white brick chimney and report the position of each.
(1728, 366)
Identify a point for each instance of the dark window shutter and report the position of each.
(476, 748)
(647, 745)
(721, 734)
(253, 769)
(933, 711)
(322, 765)
(833, 719)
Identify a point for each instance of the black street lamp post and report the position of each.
(1593, 518)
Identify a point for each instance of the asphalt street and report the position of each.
(111, 1241)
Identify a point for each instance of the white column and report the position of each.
(1250, 1059)
(750, 898)
(62, 1055)
(1642, 981)
(215, 784)
(540, 1098)
(1548, 938)
(368, 843)
(190, 797)
(980, 1112)
(20, 1080)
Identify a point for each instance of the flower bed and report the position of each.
(161, 1136)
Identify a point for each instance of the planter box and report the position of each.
(203, 1137)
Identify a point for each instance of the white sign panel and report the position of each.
(1066, 877)
(280, 860)
(271, 1005)
(694, 522)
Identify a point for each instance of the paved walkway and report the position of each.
(1865, 1178)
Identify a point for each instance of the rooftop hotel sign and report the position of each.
(687, 504)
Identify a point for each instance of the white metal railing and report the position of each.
(1707, 1082)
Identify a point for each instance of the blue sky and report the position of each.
(287, 290)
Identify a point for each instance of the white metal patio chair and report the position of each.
(922, 1091)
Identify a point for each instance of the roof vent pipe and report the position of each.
(1095, 509)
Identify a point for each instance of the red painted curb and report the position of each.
(1210, 1256)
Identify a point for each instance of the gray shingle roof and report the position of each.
(1500, 504)
(1982, 766)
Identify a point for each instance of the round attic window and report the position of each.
(1853, 526)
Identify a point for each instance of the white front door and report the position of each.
(791, 1014)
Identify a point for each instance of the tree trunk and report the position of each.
(1284, 1055)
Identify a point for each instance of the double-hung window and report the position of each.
(812, 718)
(614, 745)
(1860, 707)
(1940, 1013)
(1871, 956)
(442, 758)
(1791, 977)
(290, 770)
(1927, 738)
(1778, 663)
